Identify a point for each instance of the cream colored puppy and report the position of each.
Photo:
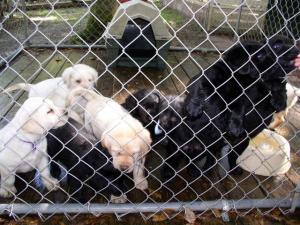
(57, 89)
(23, 144)
(126, 139)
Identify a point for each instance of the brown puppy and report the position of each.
(126, 139)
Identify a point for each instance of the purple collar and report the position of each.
(33, 144)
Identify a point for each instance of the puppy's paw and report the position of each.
(51, 183)
(8, 192)
(141, 184)
(237, 171)
(118, 199)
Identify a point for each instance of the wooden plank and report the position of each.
(58, 5)
(50, 69)
(6, 102)
(15, 68)
(178, 75)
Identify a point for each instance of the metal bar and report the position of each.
(239, 17)
(104, 47)
(45, 208)
(12, 56)
(295, 198)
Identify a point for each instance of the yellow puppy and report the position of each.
(125, 137)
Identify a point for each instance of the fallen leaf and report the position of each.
(189, 215)
(155, 194)
(217, 212)
(159, 217)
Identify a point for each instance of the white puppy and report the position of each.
(23, 146)
(292, 96)
(57, 89)
(126, 139)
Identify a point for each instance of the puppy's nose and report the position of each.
(124, 168)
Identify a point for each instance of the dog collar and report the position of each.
(157, 130)
(33, 144)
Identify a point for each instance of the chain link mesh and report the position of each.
(40, 39)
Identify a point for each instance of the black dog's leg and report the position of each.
(234, 153)
(236, 119)
(55, 170)
(209, 162)
(193, 169)
(172, 162)
(76, 189)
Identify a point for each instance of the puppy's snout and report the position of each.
(123, 168)
(64, 112)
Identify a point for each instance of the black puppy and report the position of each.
(190, 140)
(249, 85)
(89, 167)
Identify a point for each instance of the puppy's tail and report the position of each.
(83, 92)
(22, 86)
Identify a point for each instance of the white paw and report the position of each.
(118, 199)
(141, 184)
(51, 183)
(8, 192)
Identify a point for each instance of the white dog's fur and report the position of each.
(23, 144)
(126, 139)
(57, 89)
(292, 97)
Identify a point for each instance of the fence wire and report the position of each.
(195, 110)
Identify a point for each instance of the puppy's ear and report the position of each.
(66, 76)
(130, 103)
(94, 74)
(156, 97)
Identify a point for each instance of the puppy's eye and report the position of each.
(277, 46)
(173, 119)
(50, 111)
(78, 81)
(90, 80)
(261, 56)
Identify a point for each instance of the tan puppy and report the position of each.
(126, 139)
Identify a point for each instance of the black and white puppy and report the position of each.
(144, 105)
(89, 167)
(176, 133)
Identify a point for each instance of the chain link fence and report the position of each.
(154, 58)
